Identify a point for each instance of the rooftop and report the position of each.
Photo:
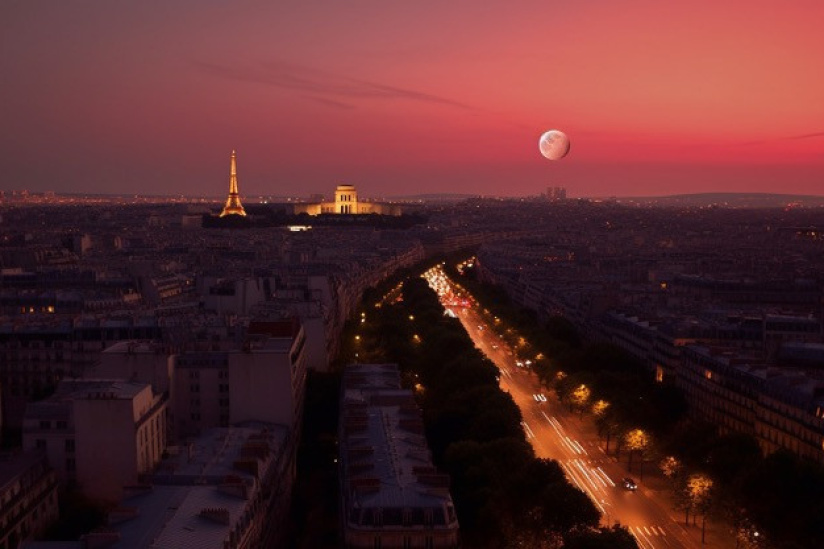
(200, 491)
(384, 456)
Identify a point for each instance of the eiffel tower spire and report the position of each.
(233, 205)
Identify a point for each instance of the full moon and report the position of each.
(554, 144)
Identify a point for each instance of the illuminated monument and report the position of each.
(347, 202)
(233, 205)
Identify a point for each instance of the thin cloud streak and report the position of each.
(322, 83)
(787, 138)
(807, 135)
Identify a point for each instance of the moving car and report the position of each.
(629, 484)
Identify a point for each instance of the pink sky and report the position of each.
(412, 97)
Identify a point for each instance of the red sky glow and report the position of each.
(402, 98)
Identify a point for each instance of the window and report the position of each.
(70, 465)
(70, 445)
(44, 424)
(40, 444)
(62, 425)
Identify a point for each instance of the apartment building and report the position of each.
(391, 494)
(28, 497)
(99, 435)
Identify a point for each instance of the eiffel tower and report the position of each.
(233, 205)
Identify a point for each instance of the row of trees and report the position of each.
(315, 522)
(504, 495)
(776, 497)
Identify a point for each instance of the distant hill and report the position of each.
(728, 200)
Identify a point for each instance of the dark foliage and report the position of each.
(315, 496)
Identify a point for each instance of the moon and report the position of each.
(554, 144)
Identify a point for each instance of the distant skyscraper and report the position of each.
(556, 193)
(233, 205)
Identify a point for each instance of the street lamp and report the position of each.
(636, 440)
(600, 407)
(580, 396)
(698, 489)
(670, 466)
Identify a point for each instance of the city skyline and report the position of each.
(657, 99)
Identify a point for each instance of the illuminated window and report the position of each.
(708, 374)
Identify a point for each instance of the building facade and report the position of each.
(346, 202)
(391, 494)
(28, 497)
(263, 380)
(99, 435)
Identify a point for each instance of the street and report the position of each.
(556, 433)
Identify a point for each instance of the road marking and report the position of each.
(584, 472)
(578, 446)
(529, 432)
(596, 471)
(664, 536)
(572, 444)
(590, 472)
(646, 541)
(641, 542)
(561, 435)
(572, 476)
(578, 482)
(606, 476)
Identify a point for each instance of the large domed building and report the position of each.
(346, 202)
